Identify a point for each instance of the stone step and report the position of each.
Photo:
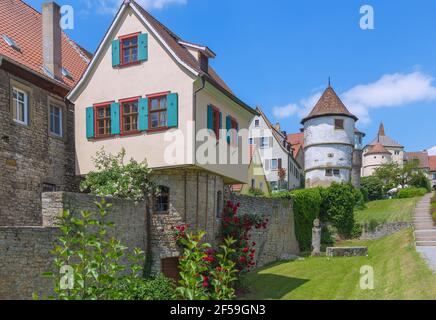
(426, 238)
(426, 243)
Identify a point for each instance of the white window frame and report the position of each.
(264, 143)
(16, 102)
(277, 164)
(61, 129)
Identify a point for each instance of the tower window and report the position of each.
(339, 124)
(329, 172)
(336, 172)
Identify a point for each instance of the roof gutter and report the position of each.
(231, 96)
(11, 66)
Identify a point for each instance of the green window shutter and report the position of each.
(90, 122)
(143, 114)
(228, 127)
(143, 47)
(116, 53)
(210, 117)
(173, 110)
(115, 118)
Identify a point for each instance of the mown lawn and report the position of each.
(400, 273)
(392, 210)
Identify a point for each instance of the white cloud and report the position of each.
(432, 151)
(391, 90)
(111, 6)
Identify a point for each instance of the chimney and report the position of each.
(52, 39)
(277, 126)
(204, 62)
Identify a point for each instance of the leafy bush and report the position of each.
(307, 204)
(206, 274)
(254, 192)
(93, 262)
(338, 202)
(359, 198)
(158, 288)
(420, 180)
(357, 231)
(115, 179)
(411, 192)
(373, 187)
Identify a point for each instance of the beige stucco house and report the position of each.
(152, 93)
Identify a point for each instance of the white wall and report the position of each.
(328, 148)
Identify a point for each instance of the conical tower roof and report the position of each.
(378, 148)
(329, 105)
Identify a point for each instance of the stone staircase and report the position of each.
(425, 229)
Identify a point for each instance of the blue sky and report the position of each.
(279, 55)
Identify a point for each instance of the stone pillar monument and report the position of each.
(316, 238)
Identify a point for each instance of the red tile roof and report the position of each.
(432, 163)
(23, 24)
(420, 156)
(378, 148)
(297, 142)
(182, 52)
(329, 104)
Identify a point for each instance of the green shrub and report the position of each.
(420, 180)
(357, 231)
(372, 187)
(326, 238)
(306, 209)
(158, 288)
(411, 192)
(338, 202)
(359, 199)
(255, 192)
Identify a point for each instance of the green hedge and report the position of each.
(411, 192)
(307, 205)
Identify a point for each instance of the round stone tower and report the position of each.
(376, 156)
(329, 141)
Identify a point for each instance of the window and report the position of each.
(129, 116)
(48, 187)
(336, 172)
(256, 123)
(103, 120)
(250, 141)
(232, 129)
(162, 200)
(216, 122)
(397, 153)
(20, 106)
(274, 164)
(158, 112)
(56, 120)
(339, 124)
(219, 204)
(330, 155)
(253, 183)
(434, 176)
(329, 172)
(129, 50)
(264, 143)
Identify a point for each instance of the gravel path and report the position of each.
(425, 231)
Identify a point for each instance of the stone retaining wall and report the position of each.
(279, 239)
(383, 230)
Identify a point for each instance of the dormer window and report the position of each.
(11, 43)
